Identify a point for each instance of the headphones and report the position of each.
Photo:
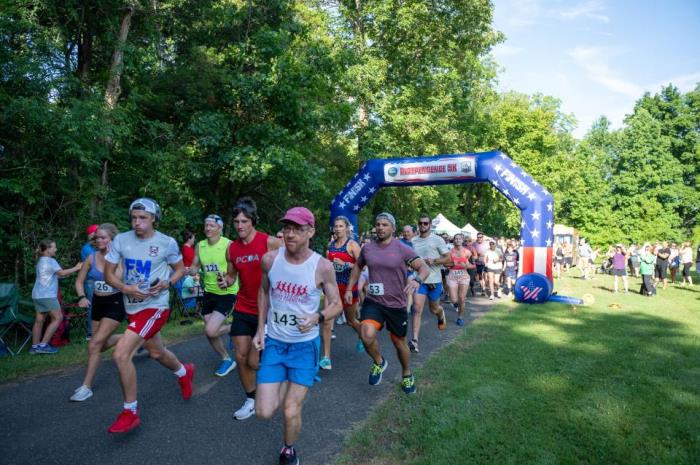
(146, 204)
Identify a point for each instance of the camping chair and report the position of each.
(186, 300)
(76, 314)
(15, 327)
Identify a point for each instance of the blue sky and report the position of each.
(598, 57)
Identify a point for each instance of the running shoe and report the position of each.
(375, 373)
(498, 295)
(460, 322)
(32, 350)
(81, 394)
(408, 384)
(246, 411)
(333, 334)
(126, 421)
(45, 349)
(186, 381)
(490, 297)
(225, 367)
(325, 363)
(442, 322)
(288, 456)
(413, 345)
(359, 346)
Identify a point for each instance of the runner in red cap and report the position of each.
(293, 280)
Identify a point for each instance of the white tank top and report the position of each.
(293, 295)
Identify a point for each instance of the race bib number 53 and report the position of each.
(376, 288)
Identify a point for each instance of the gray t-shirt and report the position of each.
(46, 284)
(144, 261)
(431, 247)
(387, 266)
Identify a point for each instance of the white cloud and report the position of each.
(592, 9)
(684, 82)
(594, 61)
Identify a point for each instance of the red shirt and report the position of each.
(246, 260)
(187, 255)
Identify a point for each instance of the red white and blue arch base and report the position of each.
(534, 201)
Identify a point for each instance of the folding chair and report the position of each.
(15, 327)
(76, 314)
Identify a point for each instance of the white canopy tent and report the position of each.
(442, 225)
(469, 231)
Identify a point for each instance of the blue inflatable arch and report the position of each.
(536, 204)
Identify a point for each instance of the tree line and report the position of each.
(196, 103)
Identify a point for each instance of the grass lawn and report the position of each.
(75, 354)
(554, 384)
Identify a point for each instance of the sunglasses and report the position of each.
(424, 222)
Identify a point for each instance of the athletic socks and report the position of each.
(181, 372)
(251, 394)
(133, 406)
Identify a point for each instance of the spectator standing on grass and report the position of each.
(188, 249)
(619, 260)
(647, 261)
(584, 260)
(686, 258)
(674, 262)
(633, 254)
(45, 296)
(663, 252)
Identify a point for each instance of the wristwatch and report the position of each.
(321, 317)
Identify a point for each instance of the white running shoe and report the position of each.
(246, 411)
(81, 394)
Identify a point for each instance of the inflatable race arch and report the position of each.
(536, 205)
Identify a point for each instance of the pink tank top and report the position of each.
(460, 261)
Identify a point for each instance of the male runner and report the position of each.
(243, 257)
(210, 255)
(387, 260)
(290, 294)
(408, 233)
(147, 256)
(433, 250)
(481, 247)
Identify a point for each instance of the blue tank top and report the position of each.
(94, 274)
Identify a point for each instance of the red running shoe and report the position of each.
(186, 381)
(126, 421)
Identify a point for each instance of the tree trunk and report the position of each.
(112, 93)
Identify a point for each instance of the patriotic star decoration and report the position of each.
(549, 207)
(535, 183)
(366, 177)
(503, 156)
(535, 234)
(545, 191)
(531, 196)
(372, 190)
(548, 242)
(498, 168)
(364, 198)
(513, 164)
(524, 174)
(342, 204)
(549, 224)
(356, 175)
(522, 224)
(535, 216)
(356, 207)
(495, 183)
(516, 200)
(506, 192)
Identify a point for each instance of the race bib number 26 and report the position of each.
(101, 286)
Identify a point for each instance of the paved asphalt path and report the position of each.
(39, 425)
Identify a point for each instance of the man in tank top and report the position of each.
(293, 279)
(210, 256)
(243, 263)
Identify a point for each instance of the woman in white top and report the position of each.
(45, 296)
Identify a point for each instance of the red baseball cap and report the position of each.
(92, 228)
(299, 215)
